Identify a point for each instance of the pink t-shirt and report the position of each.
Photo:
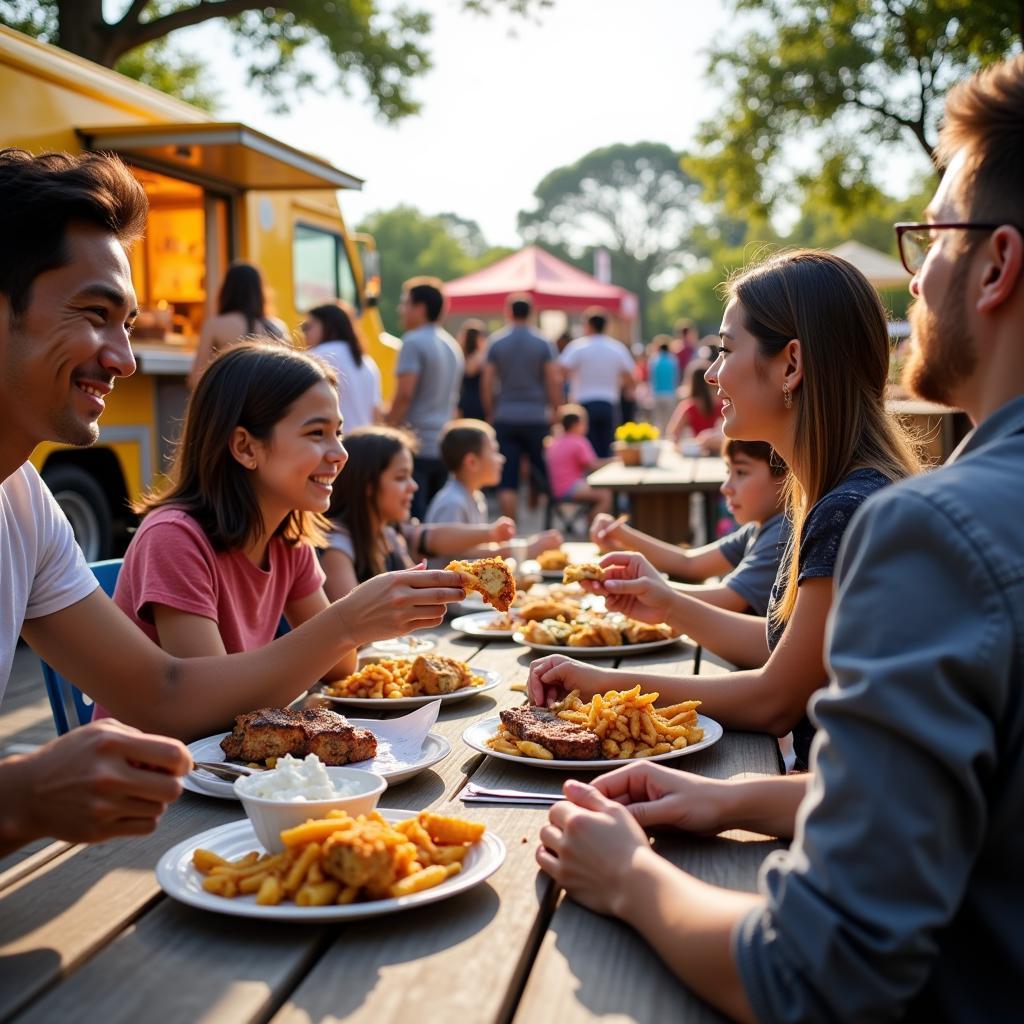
(171, 561)
(570, 457)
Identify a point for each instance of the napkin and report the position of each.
(400, 740)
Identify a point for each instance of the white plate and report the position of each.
(473, 625)
(596, 652)
(476, 736)
(403, 646)
(474, 603)
(490, 677)
(180, 880)
(435, 748)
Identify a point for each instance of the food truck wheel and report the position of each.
(82, 500)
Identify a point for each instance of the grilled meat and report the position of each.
(567, 741)
(274, 732)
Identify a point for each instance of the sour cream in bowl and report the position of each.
(298, 789)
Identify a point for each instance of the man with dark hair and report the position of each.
(428, 379)
(598, 367)
(521, 388)
(901, 895)
(686, 345)
(66, 307)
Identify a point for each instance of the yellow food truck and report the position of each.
(218, 192)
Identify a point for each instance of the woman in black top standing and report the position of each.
(473, 339)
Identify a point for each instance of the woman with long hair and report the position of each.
(241, 313)
(803, 365)
(473, 341)
(331, 331)
(699, 414)
(229, 547)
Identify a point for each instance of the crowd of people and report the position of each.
(875, 612)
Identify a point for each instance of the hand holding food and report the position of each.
(489, 577)
(634, 587)
(102, 780)
(607, 841)
(395, 603)
(554, 677)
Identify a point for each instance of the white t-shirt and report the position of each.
(358, 386)
(595, 364)
(43, 569)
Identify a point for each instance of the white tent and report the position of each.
(880, 269)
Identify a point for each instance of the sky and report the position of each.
(507, 101)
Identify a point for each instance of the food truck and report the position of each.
(218, 192)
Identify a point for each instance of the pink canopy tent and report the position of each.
(549, 282)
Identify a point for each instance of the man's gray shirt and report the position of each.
(519, 357)
(902, 896)
(434, 355)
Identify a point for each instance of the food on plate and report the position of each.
(619, 724)
(502, 622)
(541, 727)
(489, 577)
(548, 608)
(429, 675)
(552, 560)
(594, 629)
(582, 571)
(295, 779)
(340, 859)
(274, 732)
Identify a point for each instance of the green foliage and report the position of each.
(163, 67)
(368, 41)
(412, 243)
(633, 200)
(847, 77)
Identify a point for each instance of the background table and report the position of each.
(86, 934)
(659, 496)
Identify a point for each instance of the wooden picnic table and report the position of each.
(86, 933)
(659, 496)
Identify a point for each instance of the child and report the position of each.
(747, 559)
(570, 458)
(371, 531)
(469, 451)
(228, 547)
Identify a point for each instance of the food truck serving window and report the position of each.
(321, 267)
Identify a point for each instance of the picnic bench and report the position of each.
(87, 934)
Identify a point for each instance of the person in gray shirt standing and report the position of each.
(902, 895)
(428, 376)
(521, 389)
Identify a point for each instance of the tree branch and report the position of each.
(146, 32)
(131, 16)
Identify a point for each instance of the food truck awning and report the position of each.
(231, 155)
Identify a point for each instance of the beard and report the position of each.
(944, 354)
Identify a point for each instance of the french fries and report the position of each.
(627, 722)
(390, 678)
(341, 860)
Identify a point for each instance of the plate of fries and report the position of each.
(487, 625)
(334, 869)
(387, 684)
(627, 726)
(435, 748)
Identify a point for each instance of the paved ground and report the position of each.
(25, 718)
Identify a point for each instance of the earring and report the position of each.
(787, 395)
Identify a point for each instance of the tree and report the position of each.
(162, 66)
(382, 50)
(412, 243)
(633, 200)
(849, 78)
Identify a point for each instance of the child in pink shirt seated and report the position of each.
(570, 457)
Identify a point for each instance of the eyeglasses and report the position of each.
(915, 240)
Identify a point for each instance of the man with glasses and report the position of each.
(902, 895)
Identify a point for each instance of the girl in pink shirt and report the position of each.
(229, 548)
(570, 457)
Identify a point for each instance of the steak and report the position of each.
(274, 732)
(566, 740)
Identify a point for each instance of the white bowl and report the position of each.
(270, 817)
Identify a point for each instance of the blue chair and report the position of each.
(69, 705)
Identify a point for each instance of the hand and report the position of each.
(633, 587)
(590, 846)
(545, 541)
(551, 678)
(605, 539)
(656, 795)
(503, 529)
(396, 603)
(101, 780)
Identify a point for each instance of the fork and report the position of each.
(221, 770)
